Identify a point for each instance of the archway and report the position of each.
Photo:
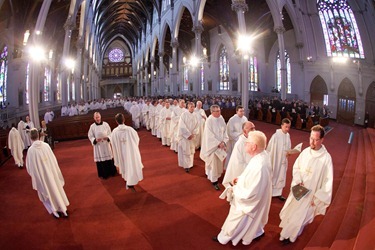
(346, 102)
(370, 104)
(318, 90)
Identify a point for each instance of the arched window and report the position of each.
(340, 29)
(3, 74)
(202, 76)
(47, 83)
(288, 72)
(27, 82)
(253, 73)
(185, 86)
(116, 55)
(224, 69)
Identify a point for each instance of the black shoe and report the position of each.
(259, 237)
(282, 198)
(216, 186)
(215, 239)
(187, 170)
(132, 189)
(286, 242)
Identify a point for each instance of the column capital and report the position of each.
(279, 29)
(161, 54)
(69, 24)
(152, 60)
(175, 44)
(239, 5)
(198, 28)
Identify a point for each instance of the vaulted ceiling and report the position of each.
(129, 18)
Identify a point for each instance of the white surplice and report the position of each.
(165, 126)
(201, 117)
(102, 149)
(250, 202)
(314, 169)
(16, 146)
(46, 177)
(234, 130)
(187, 126)
(214, 133)
(126, 155)
(276, 148)
(238, 161)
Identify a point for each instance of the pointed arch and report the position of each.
(318, 91)
(346, 102)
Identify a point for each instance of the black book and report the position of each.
(299, 191)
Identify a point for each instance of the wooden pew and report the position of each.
(77, 127)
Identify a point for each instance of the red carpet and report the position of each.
(171, 209)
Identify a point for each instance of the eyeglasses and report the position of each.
(252, 129)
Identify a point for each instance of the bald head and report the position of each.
(247, 127)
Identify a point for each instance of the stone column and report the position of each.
(146, 93)
(77, 71)
(85, 75)
(240, 7)
(161, 87)
(197, 29)
(68, 26)
(174, 73)
(280, 36)
(152, 61)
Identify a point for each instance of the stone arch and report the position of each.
(370, 104)
(318, 89)
(346, 102)
(180, 11)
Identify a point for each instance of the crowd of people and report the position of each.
(254, 170)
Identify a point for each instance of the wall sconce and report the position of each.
(50, 54)
(170, 65)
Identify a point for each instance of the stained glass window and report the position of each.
(224, 69)
(341, 34)
(202, 76)
(186, 79)
(253, 73)
(27, 82)
(288, 72)
(3, 74)
(116, 55)
(47, 83)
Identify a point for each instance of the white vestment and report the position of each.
(175, 118)
(250, 202)
(22, 131)
(214, 134)
(187, 126)
(27, 127)
(152, 113)
(135, 111)
(158, 109)
(276, 148)
(234, 130)
(237, 162)
(165, 126)
(314, 169)
(16, 146)
(125, 145)
(46, 177)
(146, 117)
(201, 117)
(102, 149)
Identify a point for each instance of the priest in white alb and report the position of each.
(239, 158)
(175, 118)
(213, 146)
(125, 146)
(16, 146)
(234, 130)
(201, 117)
(250, 196)
(46, 176)
(313, 169)
(187, 129)
(277, 149)
(165, 124)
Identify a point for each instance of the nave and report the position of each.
(170, 210)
